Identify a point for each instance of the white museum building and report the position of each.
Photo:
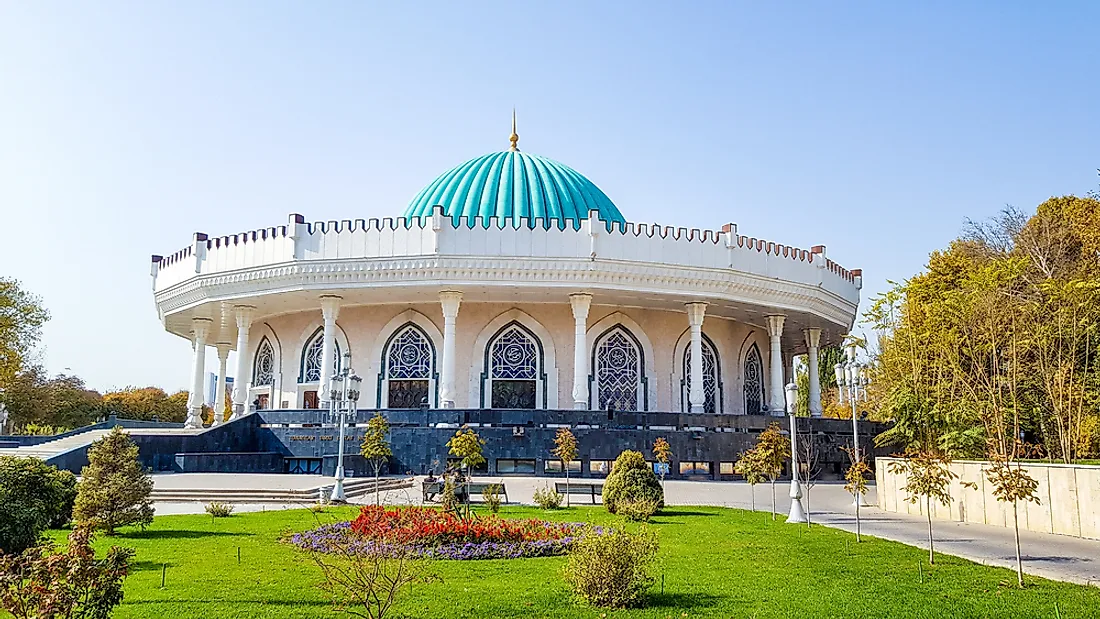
(510, 282)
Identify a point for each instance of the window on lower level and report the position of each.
(456, 464)
(516, 466)
(554, 466)
(726, 468)
(694, 468)
(599, 467)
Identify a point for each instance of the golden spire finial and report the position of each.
(514, 138)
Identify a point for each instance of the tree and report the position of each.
(34, 496)
(662, 451)
(771, 449)
(21, 320)
(115, 489)
(1012, 484)
(376, 447)
(565, 449)
(928, 477)
(1006, 320)
(70, 583)
(752, 467)
(810, 462)
(466, 444)
(145, 403)
(856, 483)
(63, 402)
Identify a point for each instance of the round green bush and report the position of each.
(631, 480)
(33, 496)
(628, 460)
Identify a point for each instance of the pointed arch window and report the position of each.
(754, 382)
(514, 371)
(312, 355)
(263, 367)
(408, 368)
(712, 378)
(619, 371)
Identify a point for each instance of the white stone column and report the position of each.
(450, 300)
(697, 395)
(219, 392)
(776, 397)
(200, 329)
(813, 343)
(581, 303)
(242, 379)
(330, 309)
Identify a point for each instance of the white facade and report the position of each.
(688, 315)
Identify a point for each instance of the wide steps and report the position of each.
(352, 488)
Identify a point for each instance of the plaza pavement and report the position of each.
(1057, 557)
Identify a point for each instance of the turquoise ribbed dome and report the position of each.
(513, 185)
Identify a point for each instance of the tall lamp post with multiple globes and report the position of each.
(797, 514)
(851, 382)
(343, 400)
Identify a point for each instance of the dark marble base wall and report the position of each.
(249, 462)
(269, 441)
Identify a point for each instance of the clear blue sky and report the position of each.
(871, 128)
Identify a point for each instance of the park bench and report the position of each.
(589, 489)
(431, 489)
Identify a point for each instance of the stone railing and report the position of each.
(440, 236)
(1069, 498)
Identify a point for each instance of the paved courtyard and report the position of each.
(1052, 556)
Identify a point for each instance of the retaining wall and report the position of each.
(1069, 498)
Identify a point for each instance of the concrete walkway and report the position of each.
(1057, 557)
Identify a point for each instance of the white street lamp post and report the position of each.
(343, 399)
(797, 513)
(851, 381)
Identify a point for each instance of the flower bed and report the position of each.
(431, 533)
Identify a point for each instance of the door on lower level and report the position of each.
(310, 400)
(407, 393)
(303, 466)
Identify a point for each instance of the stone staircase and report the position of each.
(49, 449)
(352, 488)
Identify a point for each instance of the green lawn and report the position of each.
(716, 563)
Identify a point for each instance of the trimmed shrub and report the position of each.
(547, 498)
(219, 510)
(34, 496)
(637, 511)
(612, 570)
(631, 480)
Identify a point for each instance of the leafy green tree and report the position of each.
(928, 478)
(467, 445)
(115, 489)
(376, 447)
(855, 479)
(21, 320)
(662, 452)
(34, 496)
(752, 468)
(565, 449)
(146, 403)
(772, 450)
(63, 402)
(1004, 323)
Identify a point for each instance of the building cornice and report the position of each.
(440, 272)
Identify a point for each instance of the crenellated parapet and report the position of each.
(440, 236)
